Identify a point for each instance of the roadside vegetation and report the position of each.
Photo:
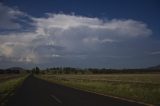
(138, 87)
(142, 85)
(8, 85)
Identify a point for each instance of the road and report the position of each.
(37, 92)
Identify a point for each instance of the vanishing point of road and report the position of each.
(37, 92)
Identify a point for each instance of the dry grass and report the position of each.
(8, 86)
(139, 87)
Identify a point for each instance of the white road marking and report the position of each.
(55, 98)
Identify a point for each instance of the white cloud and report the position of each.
(74, 32)
(55, 55)
(60, 35)
(128, 28)
(6, 50)
(116, 27)
(97, 40)
(63, 21)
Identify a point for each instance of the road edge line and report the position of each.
(55, 98)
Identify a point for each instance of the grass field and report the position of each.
(138, 87)
(5, 77)
(8, 84)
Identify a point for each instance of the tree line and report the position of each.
(71, 70)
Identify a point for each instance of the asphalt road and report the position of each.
(37, 92)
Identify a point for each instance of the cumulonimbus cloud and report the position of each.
(116, 27)
(60, 35)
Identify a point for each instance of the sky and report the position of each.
(82, 33)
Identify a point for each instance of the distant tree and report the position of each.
(1, 71)
(28, 71)
(36, 70)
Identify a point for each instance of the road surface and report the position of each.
(37, 92)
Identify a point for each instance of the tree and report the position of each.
(36, 70)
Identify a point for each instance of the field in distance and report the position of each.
(138, 87)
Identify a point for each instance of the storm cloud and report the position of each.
(67, 39)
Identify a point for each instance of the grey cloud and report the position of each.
(8, 17)
(12, 19)
(77, 40)
(155, 53)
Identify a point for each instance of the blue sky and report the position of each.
(84, 33)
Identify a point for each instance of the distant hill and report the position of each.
(12, 70)
(15, 68)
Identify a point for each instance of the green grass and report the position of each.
(8, 87)
(138, 87)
